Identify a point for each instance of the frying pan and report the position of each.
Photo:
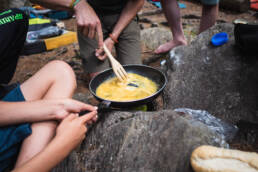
(151, 73)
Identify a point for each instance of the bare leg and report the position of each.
(172, 13)
(209, 16)
(55, 80)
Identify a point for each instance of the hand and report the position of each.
(88, 22)
(72, 129)
(66, 106)
(100, 52)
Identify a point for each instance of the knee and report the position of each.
(64, 72)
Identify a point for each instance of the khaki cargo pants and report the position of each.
(128, 48)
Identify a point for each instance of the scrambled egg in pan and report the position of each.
(134, 88)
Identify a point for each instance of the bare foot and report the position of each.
(164, 48)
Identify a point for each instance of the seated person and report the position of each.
(31, 111)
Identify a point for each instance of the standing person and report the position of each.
(30, 112)
(115, 24)
(172, 13)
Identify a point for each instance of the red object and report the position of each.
(254, 4)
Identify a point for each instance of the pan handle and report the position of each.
(102, 106)
(84, 112)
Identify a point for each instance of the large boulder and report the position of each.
(140, 141)
(153, 37)
(216, 79)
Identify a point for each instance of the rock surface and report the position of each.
(140, 141)
(153, 37)
(216, 79)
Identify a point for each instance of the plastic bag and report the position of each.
(47, 32)
(225, 130)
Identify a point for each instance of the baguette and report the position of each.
(213, 159)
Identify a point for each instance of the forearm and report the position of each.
(20, 112)
(54, 153)
(128, 13)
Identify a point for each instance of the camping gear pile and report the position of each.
(46, 31)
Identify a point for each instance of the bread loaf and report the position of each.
(213, 159)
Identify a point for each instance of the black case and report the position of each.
(246, 38)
